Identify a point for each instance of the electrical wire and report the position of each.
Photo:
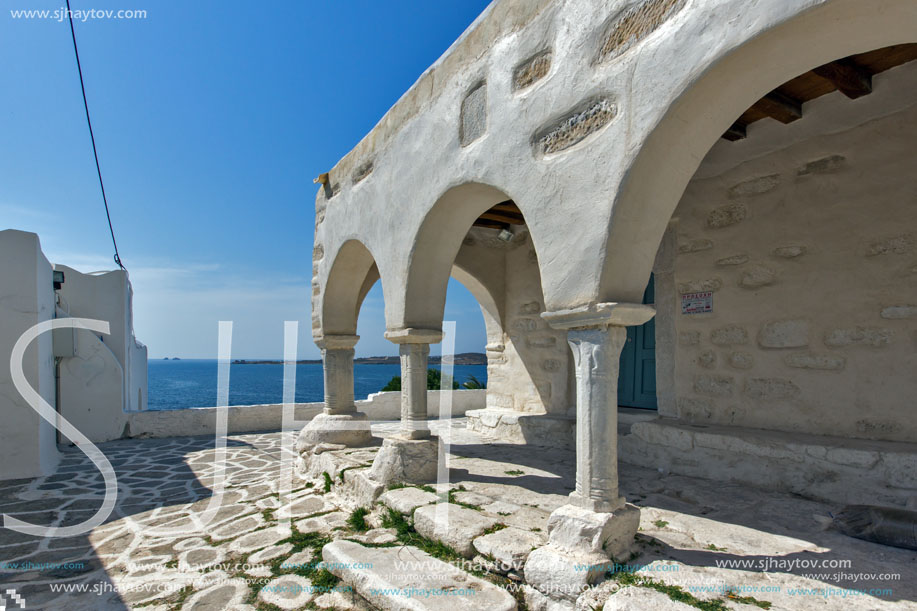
(92, 137)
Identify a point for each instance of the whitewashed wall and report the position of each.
(383, 406)
(27, 443)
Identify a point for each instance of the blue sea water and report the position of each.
(188, 383)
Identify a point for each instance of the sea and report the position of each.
(190, 383)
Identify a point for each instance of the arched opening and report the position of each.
(478, 235)
(785, 279)
(669, 157)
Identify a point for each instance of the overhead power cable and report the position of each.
(92, 137)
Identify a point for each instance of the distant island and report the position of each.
(465, 358)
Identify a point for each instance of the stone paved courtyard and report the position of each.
(258, 553)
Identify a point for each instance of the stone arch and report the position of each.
(352, 275)
(435, 248)
(490, 308)
(656, 178)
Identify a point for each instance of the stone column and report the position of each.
(337, 363)
(596, 357)
(411, 455)
(597, 524)
(340, 422)
(414, 391)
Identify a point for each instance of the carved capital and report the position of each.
(600, 315)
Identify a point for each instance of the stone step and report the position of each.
(453, 525)
(406, 578)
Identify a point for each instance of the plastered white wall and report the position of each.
(27, 443)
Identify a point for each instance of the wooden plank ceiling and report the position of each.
(852, 76)
(501, 216)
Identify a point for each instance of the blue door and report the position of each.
(637, 377)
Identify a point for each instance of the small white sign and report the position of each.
(697, 303)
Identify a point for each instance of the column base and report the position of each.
(350, 429)
(597, 505)
(582, 545)
(409, 461)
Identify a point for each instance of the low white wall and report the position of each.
(258, 418)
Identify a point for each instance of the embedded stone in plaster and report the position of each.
(707, 359)
(733, 260)
(714, 385)
(790, 252)
(815, 361)
(532, 70)
(896, 245)
(525, 324)
(699, 286)
(362, 171)
(318, 252)
(729, 336)
(741, 360)
(770, 388)
(543, 341)
(865, 336)
(689, 338)
(899, 312)
(629, 27)
(531, 307)
(583, 121)
(758, 276)
(784, 334)
(695, 245)
(551, 365)
(693, 408)
(755, 186)
(474, 114)
(825, 165)
(727, 215)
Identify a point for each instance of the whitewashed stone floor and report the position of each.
(688, 526)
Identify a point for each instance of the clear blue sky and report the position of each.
(212, 119)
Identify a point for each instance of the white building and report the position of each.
(92, 380)
(744, 171)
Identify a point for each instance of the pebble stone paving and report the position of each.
(259, 551)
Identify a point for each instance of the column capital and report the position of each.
(600, 315)
(412, 335)
(336, 342)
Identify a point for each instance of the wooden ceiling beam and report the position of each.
(849, 78)
(490, 224)
(508, 207)
(780, 107)
(737, 131)
(511, 218)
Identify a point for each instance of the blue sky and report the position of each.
(212, 119)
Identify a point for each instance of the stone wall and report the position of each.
(528, 363)
(810, 253)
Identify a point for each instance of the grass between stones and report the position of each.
(328, 481)
(400, 485)
(357, 519)
(451, 498)
(678, 594)
(494, 528)
(408, 536)
(346, 469)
